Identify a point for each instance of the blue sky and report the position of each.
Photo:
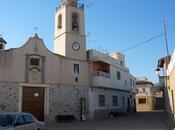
(110, 25)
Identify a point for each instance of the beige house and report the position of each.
(149, 96)
(70, 81)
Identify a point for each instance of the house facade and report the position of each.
(112, 87)
(149, 96)
(69, 81)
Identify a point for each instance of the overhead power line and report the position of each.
(143, 43)
(137, 45)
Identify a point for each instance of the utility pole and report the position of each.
(167, 60)
(166, 39)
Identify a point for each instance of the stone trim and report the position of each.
(42, 70)
(34, 85)
(26, 68)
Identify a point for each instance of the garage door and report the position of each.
(33, 101)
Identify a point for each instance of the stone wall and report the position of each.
(65, 100)
(9, 97)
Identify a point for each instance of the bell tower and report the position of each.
(69, 38)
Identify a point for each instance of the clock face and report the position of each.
(76, 46)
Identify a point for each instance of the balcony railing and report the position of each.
(102, 73)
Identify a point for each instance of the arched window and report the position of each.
(60, 21)
(75, 22)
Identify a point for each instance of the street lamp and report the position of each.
(163, 88)
(158, 71)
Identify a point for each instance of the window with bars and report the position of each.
(142, 100)
(101, 100)
(115, 100)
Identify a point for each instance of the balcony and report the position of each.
(102, 74)
(101, 79)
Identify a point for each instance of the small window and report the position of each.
(1, 46)
(28, 119)
(121, 62)
(76, 79)
(118, 75)
(142, 100)
(34, 61)
(20, 120)
(76, 69)
(101, 100)
(74, 22)
(115, 100)
(60, 21)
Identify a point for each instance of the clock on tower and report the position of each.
(76, 46)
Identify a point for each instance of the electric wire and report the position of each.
(137, 45)
(143, 43)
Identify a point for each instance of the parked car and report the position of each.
(19, 121)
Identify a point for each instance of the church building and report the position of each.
(71, 80)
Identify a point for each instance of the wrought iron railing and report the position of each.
(102, 73)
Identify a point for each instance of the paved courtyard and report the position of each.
(138, 121)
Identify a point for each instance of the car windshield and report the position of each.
(6, 120)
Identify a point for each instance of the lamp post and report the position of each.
(158, 71)
(164, 89)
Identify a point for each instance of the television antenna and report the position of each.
(87, 3)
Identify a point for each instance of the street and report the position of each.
(135, 121)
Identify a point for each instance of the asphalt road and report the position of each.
(138, 121)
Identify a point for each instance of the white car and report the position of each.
(19, 121)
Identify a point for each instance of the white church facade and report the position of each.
(72, 80)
